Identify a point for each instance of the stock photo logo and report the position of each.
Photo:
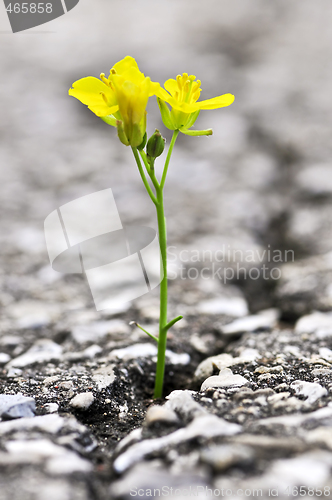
(86, 236)
(24, 15)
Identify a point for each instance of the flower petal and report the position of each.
(87, 90)
(216, 102)
(172, 86)
(183, 106)
(132, 74)
(125, 64)
(103, 110)
(158, 91)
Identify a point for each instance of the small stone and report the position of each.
(160, 414)
(206, 400)
(149, 477)
(43, 351)
(224, 379)
(263, 392)
(123, 411)
(315, 179)
(4, 358)
(230, 306)
(205, 426)
(275, 398)
(177, 359)
(222, 457)
(45, 423)
(147, 350)
(320, 436)
(213, 363)
(183, 403)
(247, 355)
(33, 314)
(311, 390)
(16, 406)
(66, 385)
(202, 343)
(134, 351)
(317, 322)
(104, 376)
(14, 372)
(269, 369)
(321, 372)
(244, 392)
(265, 377)
(270, 423)
(206, 367)
(325, 353)
(10, 340)
(261, 400)
(316, 360)
(310, 470)
(51, 380)
(292, 349)
(133, 437)
(34, 450)
(98, 330)
(57, 459)
(82, 401)
(249, 324)
(282, 387)
(68, 464)
(51, 407)
(268, 444)
(88, 353)
(221, 403)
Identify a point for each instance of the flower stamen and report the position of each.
(104, 79)
(104, 97)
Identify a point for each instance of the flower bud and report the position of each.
(155, 145)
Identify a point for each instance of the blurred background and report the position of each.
(263, 179)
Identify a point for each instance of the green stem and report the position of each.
(158, 200)
(152, 174)
(145, 161)
(160, 370)
(143, 330)
(168, 157)
(144, 179)
(171, 323)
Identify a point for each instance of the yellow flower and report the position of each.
(183, 94)
(120, 100)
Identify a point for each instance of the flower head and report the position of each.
(182, 95)
(120, 100)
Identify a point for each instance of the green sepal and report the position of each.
(192, 118)
(196, 133)
(142, 145)
(110, 120)
(165, 114)
(121, 133)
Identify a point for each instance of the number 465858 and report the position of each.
(29, 8)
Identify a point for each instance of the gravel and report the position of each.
(78, 419)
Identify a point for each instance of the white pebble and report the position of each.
(226, 378)
(83, 401)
